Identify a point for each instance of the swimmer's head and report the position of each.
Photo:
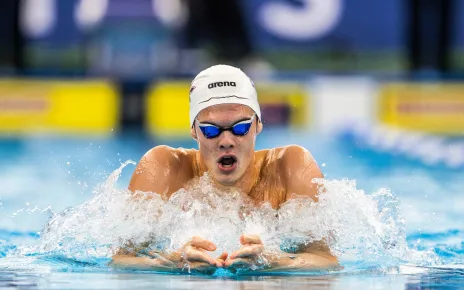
(222, 84)
(224, 97)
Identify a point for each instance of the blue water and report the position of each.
(40, 177)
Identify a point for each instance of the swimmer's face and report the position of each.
(227, 157)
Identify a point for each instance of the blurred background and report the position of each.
(374, 89)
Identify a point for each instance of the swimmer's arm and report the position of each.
(315, 255)
(149, 176)
(308, 257)
(141, 263)
(300, 168)
(130, 256)
(149, 261)
(301, 261)
(159, 171)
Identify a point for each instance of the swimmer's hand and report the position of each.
(249, 255)
(194, 255)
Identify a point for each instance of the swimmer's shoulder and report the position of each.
(293, 151)
(284, 155)
(162, 169)
(161, 154)
(295, 157)
(169, 156)
(289, 160)
(297, 168)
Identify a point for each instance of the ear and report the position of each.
(193, 133)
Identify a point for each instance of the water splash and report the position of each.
(359, 228)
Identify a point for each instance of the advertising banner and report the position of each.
(64, 107)
(430, 107)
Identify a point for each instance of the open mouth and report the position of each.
(227, 162)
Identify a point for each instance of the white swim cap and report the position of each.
(222, 84)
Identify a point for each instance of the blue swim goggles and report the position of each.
(239, 129)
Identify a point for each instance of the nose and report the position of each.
(226, 140)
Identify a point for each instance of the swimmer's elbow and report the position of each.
(320, 260)
(319, 249)
(303, 261)
(120, 259)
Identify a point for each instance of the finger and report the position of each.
(193, 255)
(203, 244)
(222, 259)
(223, 256)
(201, 267)
(250, 239)
(248, 251)
(240, 262)
(220, 263)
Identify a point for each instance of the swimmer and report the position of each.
(225, 119)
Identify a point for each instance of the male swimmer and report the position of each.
(225, 119)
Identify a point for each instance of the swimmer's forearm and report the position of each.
(142, 263)
(160, 264)
(302, 261)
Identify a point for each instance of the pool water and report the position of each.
(41, 177)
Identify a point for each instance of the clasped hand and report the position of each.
(194, 254)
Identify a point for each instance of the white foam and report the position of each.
(358, 227)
